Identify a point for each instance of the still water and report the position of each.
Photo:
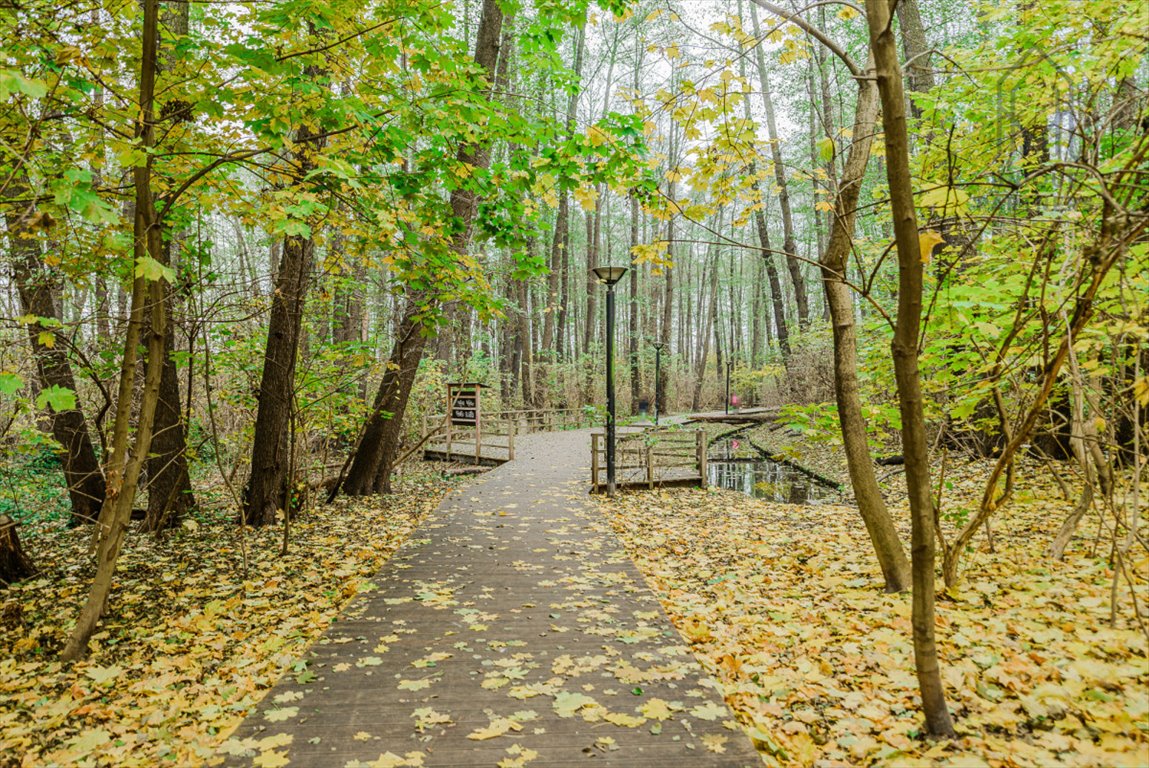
(736, 465)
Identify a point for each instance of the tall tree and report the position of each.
(668, 288)
(169, 483)
(370, 469)
(789, 243)
(905, 352)
(558, 294)
(919, 76)
(125, 455)
(34, 285)
(267, 488)
(777, 300)
(840, 301)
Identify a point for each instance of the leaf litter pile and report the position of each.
(783, 605)
(189, 645)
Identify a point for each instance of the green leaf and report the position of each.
(57, 398)
(950, 200)
(826, 149)
(14, 82)
(10, 383)
(150, 269)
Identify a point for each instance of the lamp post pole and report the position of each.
(657, 377)
(729, 365)
(610, 276)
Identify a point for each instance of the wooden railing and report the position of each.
(650, 457)
(493, 438)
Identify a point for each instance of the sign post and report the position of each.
(464, 409)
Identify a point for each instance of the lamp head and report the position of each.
(608, 275)
(658, 345)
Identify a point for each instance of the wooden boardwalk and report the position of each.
(464, 453)
(510, 630)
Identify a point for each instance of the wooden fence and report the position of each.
(651, 457)
(492, 440)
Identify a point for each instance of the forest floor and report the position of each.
(783, 604)
(200, 625)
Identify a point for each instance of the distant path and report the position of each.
(513, 610)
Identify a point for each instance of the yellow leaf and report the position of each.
(597, 136)
(498, 727)
(1141, 390)
(926, 242)
(271, 760)
(587, 197)
(715, 742)
(519, 757)
(414, 685)
(47, 339)
(624, 720)
(656, 709)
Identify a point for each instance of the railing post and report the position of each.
(511, 441)
(478, 441)
(594, 462)
(650, 467)
(701, 448)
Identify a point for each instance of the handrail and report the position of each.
(640, 450)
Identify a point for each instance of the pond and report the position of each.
(735, 464)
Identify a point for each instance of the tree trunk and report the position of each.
(840, 300)
(905, 355)
(267, 489)
(371, 466)
(591, 284)
(552, 307)
(169, 485)
(123, 467)
(756, 310)
(633, 340)
(561, 345)
(558, 281)
(668, 293)
(14, 564)
(789, 244)
(704, 339)
(380, 437)
(919, 76)
(777, 300)
(33, 284)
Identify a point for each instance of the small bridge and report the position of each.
(491, 441)
(649, 457)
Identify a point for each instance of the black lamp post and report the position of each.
(729, 366)
(609, 276)
(658, 345)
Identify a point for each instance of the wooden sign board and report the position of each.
(464, 403)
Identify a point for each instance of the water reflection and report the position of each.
(738, 466)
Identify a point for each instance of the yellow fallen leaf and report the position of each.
(656, 709)
(715, 742)
(271, 760)
(519, 757)
(498, 727)
(623, 719)
(414, 685)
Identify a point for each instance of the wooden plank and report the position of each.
(515, 578)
